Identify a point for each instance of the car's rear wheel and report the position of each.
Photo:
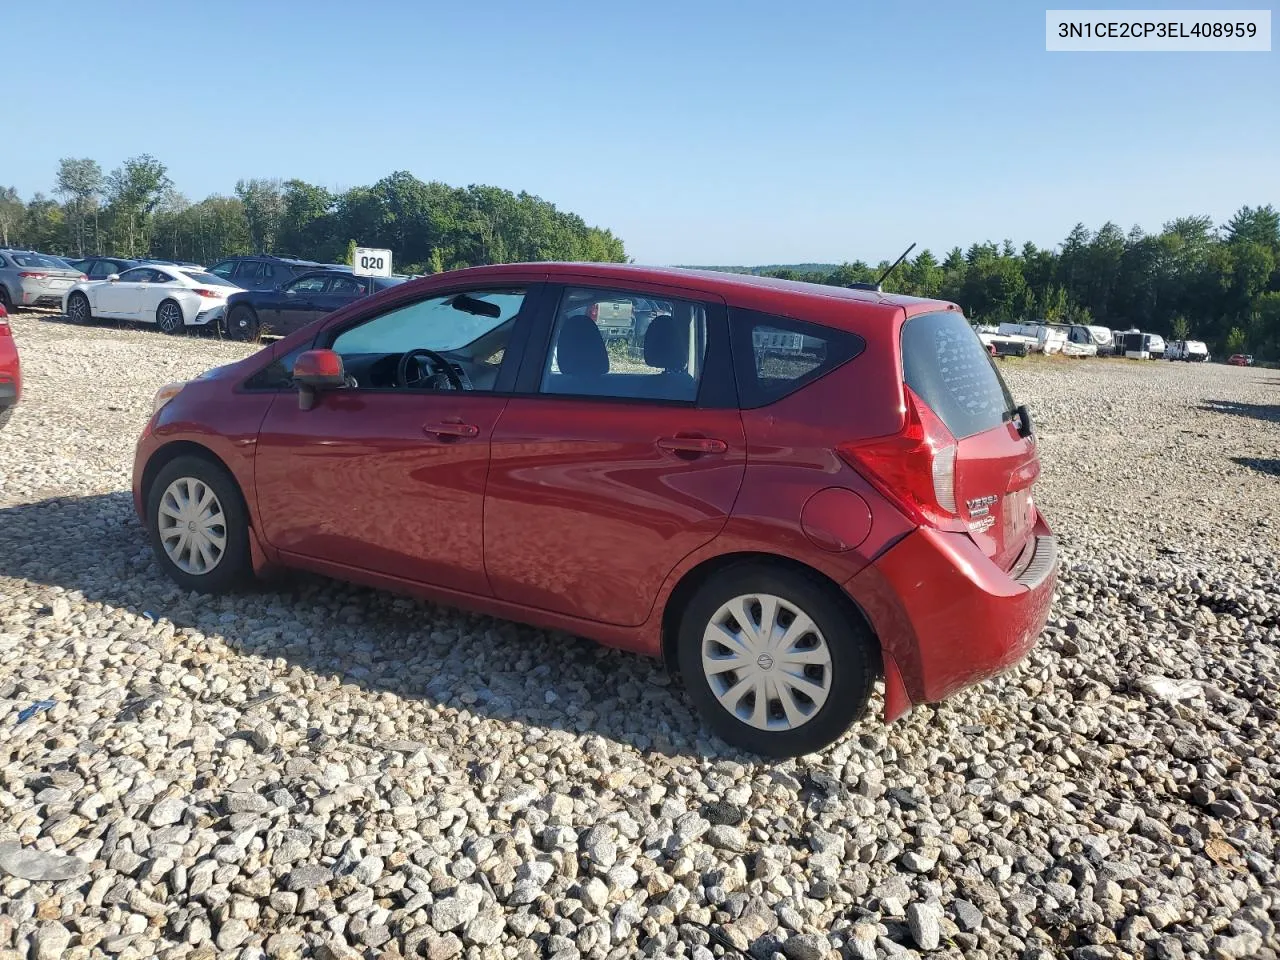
(5, 300)
(199, 526)
(242, 323)
(78, 310)
(169, 317)
(777, 663)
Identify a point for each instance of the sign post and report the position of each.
(371, 262)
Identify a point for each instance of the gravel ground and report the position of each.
(311, 769)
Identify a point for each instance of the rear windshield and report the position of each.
(199, 276)
(38, 260)
(946, 366)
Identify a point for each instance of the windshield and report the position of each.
(39, 260)
(445, 323)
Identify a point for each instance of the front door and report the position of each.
(389, 475)
(120, 298)
(293, 305)
(628, 458)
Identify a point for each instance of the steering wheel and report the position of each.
(439, 365)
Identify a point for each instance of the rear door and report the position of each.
(612, 463)
(945, 365)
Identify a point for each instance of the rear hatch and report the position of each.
(949, 373)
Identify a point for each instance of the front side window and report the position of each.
(453, 341)
(609, 343)
(137, 275)
(775, 356)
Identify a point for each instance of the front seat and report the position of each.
(581, 356)
(666, 346)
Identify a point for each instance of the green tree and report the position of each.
(1260, 225)
(263, 210)
(134, 191)
(79, 181)
(12, 212)
(1235, 340)
(1181, 329)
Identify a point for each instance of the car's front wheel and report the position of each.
(169, 317)
(78, 310)
(776, 662)
(199, 526)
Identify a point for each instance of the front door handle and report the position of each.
(455, 431)
(693, 445)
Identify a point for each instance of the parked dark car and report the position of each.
(99, 268)
(261, 271)
(785, 525)
(283, 309)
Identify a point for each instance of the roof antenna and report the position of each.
(884, 276)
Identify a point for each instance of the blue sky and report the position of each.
(701, 132)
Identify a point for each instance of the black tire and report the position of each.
(242, 323)
(5, 300)
(78, 309)
(165, 317)
(235, 566)
(854, 654)
(5, 414)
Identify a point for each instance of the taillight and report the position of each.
(915, 468)
(32, 275)
(84, 276)
(203, 292)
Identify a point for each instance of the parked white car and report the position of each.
(171, 297)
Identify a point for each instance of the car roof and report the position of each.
(740, 288)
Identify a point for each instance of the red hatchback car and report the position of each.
(786, 490)
(10, 370)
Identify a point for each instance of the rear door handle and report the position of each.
(695, 445)
(452, 430)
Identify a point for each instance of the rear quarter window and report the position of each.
(774, 356)
(945, 365)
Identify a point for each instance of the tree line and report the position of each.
(1220, 284)
(136, 211)
(1191, 280)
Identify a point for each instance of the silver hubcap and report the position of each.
(767, 662)
(77, 308)
(193, 529)
(170, 318)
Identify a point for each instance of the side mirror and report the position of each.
(317, 370)
(112, 277)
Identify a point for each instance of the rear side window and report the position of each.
(945, 365)
(776, 356)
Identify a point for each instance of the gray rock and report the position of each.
(806, 946)
(50, 942)
(923, 919)
(724, 837)
(38, 865)
(306, 876)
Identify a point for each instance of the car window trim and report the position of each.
(718, 395)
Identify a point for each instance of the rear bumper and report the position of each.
(947, 617)
(212, 315)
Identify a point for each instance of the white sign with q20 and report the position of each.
(371, 262)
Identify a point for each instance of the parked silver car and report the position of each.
(30, 279)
